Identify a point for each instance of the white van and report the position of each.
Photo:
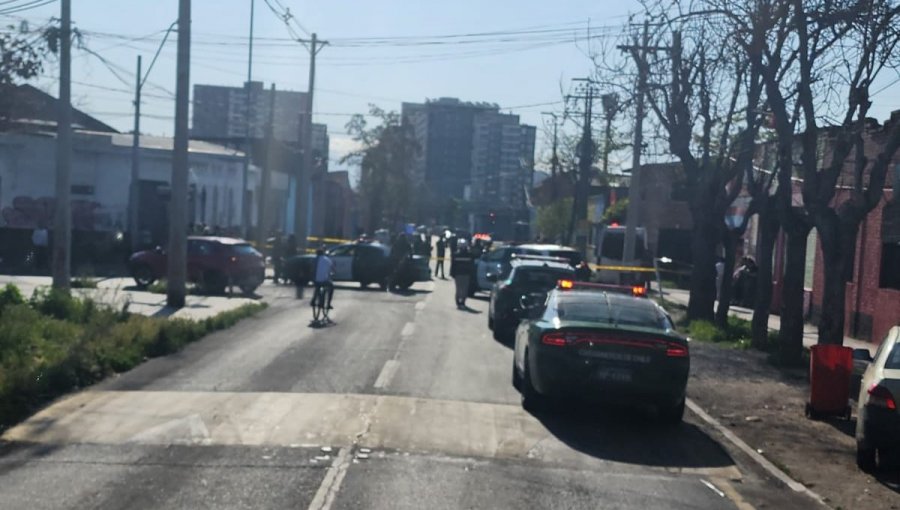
(610, 247)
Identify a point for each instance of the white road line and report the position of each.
(387, 373)
(712, 487)
(331, 484)
(408, 329)
(763, 462)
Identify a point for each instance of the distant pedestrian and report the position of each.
(462, 266)
(441, 251)
(290, 247)
(40, 239)
(278, 257)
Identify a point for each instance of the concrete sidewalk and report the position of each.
(117, 292)
(810, 332)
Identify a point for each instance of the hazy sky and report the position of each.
(523, 71)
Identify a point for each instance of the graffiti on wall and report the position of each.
(29, 212)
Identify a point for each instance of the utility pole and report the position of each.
(554, 159)
(62, 224)
(177, 255)
(134, 190)
(262, 226)
(248, 140)
(583, 181)
(302, 195)
(610, 107)
(639, 52)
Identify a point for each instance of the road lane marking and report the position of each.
(763, 462)
(408, 329)
(387, 373)
(331, 483)
(732, 494)
(712, 487)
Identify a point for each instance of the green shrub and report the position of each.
(705, 331)
(10, 295)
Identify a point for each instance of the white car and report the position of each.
(878, 419)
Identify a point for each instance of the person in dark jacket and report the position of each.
(462, 268)
(441, 252)
(278, 257)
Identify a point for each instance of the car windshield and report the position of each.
(572, 256)
(594, 307)
(893, 359)
(539, 276)
(243, 249)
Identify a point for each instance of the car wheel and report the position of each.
(865, 457)
(532, 401)
(364, 284)
(516, 378)
(248, 290)
(143, 276)
(383, 284)
(672, 415)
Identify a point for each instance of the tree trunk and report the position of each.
(730, 239)
(768, 232)
(838, 244)
(791, 334)
(703, 273)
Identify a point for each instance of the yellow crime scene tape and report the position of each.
(632, 269)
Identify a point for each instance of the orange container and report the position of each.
(830, 370)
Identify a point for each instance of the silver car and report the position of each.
(878, 420)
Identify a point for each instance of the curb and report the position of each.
(763, 462)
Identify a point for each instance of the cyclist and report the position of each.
(324, 271)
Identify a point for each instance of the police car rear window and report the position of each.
(540, 276)
(594, 308)
(893, 360)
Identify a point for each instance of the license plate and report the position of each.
(612, 374)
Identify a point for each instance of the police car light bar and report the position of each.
(525, 256)
(634, 290)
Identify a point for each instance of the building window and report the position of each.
(890, 266)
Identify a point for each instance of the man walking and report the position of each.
(277, 257)
(462, 266)
(441, 251)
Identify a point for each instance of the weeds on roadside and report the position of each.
(55, 342)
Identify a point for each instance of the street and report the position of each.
(404, 402)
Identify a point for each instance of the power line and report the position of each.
(32, 4)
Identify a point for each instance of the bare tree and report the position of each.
(820, 60)
(706, 98)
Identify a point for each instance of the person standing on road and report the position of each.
(277, 257)
(324, 271)
(441, 251)
(462, 266)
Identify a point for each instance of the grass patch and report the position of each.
(737, 334)
(54, 343)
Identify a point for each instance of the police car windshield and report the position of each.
(539, 276)
(594, 307)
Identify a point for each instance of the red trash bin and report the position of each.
(830, 371)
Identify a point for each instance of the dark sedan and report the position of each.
(528, 280)
(598, 345)
(366, 263)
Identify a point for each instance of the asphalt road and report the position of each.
(404, 402)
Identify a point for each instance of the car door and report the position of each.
(197, 252)
(342, 256)
(490, 262)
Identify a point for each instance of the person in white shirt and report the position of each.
(324, 267)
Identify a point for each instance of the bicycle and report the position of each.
(320, 305)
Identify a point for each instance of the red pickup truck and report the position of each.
(212, 262)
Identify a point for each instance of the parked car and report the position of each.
(212, 262)
(499, 261)
(529, 279)
(878, 419)
(598, 345)
(366, 263)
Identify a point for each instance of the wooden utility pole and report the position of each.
(262, 217)
(177, 254)
(586, 148)
(134, 190)
(302, 194)
(554, 158)
(634, 190)
(248, 139)
(62, 224)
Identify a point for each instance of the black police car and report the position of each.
(529, 281)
